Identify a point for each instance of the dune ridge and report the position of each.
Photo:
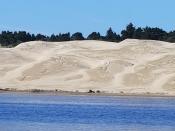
(131, 66)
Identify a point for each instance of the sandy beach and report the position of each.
(129, 67)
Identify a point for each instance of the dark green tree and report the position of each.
(128, 32)
(154, 34)
(64, 37)
(171, 36)
(77, 36)
(94, 36)
(112, 36)
(11, 39)
(138, 33)
(53, 38)
(41, 37)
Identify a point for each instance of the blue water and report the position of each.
(29, 112)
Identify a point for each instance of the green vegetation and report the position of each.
(11, 39)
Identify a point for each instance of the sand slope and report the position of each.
(131, 66)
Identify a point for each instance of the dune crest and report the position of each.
(131, 66)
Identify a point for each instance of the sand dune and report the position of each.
(131, 66)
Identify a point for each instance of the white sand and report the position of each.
(132, 66)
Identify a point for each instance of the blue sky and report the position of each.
(54, 16)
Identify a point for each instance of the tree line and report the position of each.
(11, 39)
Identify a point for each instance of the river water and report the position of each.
(33, 112)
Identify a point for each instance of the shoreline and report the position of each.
(69, 93)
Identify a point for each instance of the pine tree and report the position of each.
(112, 36)
(154, 34)
(138, 33)
(53, 38)
(128, 32)
(171, 36)
(94, 36)
(77, 36)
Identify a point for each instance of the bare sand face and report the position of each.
(131, 66)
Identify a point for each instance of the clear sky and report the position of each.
(54, 16)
